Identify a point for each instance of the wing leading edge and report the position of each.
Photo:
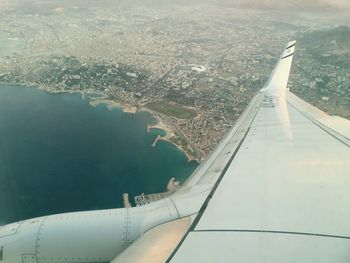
(284, 195)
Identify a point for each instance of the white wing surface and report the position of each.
(275, 189)
(284, 195)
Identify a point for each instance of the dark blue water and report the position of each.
(59, 154)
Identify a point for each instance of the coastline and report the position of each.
(113, 104)
(160, 124)
(63, 139)
(169, 133)
(126, 108)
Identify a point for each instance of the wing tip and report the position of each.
(291, 44)
(289, 50)
(279, 77)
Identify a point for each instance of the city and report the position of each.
(195, 78)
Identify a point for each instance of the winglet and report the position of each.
(279, 77)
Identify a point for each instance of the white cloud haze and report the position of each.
(256, 4)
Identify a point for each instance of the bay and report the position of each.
(60, 154)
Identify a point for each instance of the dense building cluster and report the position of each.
(208, 61)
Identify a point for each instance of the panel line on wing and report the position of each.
(205, 204)
(291, 45)
(328, 130)
(271, 232)
(288, 55)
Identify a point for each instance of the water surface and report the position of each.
(59, 154)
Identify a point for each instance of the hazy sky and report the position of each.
(278, 4)
(264, 4)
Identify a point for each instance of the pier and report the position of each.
(173, 185)
(126, 200)
(143, 199)
(155, 141)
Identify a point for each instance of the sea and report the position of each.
(59, 154)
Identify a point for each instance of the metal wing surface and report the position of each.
(284, 195)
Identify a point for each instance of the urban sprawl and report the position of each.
(194, 68)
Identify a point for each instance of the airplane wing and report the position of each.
(275, 189)
(279, 188)
(285, 194)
